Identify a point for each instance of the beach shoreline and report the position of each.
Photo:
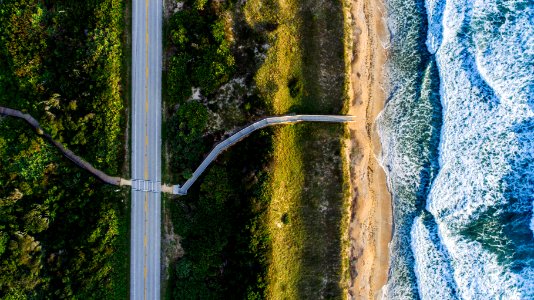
(371, 221)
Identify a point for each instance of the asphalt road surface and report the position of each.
(146, 149)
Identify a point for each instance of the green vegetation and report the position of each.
(307, 218)
(223, 237)
(222, 221)
(304, 73)
(185, 132)
(203, 58)
(269, 219)
(304, 67)
(63, 234)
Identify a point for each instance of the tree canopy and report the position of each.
(62, 233)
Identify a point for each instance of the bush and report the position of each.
(179, 85)
(184, 133)
(205, 238)
(61, 62)
(203, 58)
(222, 228)
(214, 68)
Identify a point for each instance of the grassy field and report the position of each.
(304, 73)
(307, 217)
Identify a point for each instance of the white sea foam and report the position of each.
(432, 263)
(504, 48)
(479, 275)
(434, 10)
(407, 127)
(485, 55)
(480, 144)
(485, 59)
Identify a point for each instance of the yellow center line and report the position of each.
(146, 92)
(145, 244)
(145, 240)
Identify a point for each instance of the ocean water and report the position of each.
(458, 148)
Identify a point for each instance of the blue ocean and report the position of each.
(457, 135)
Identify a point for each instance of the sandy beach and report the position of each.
(371, 217)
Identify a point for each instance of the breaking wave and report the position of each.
(458, 148)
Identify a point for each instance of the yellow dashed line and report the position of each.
(146, 169)
(145, 243)
(144, 275)
(146, 90)
(145, 239)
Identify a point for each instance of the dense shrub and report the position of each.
(203, 57)
(179, 83)
(185, 130)
(62, 233)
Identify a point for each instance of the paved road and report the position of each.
(182, 190)
(146, 149)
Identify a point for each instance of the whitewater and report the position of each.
(458, 148)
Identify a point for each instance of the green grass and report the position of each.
(304, 72)
(285, 221)
(307, 213)
(306, 52)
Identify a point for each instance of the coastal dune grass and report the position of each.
(284, 219)
(304, 72)
(307, 214)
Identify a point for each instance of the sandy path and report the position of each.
(371, 220)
